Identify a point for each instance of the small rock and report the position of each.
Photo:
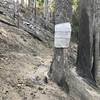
(0, 33)
(40, 88)
(6, 92)
(38, 78)
(31, 93)
(25, 98)
(19, 85)
(34, 78)
(45, 80)
(43, 92)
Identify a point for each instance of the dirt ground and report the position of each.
(24, 63)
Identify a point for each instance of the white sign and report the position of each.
(62, 35)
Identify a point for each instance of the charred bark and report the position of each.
(88, 49)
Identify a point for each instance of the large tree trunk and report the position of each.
(63, 13)
(88, 49)
(84, 59)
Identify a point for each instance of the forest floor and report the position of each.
(24, 64)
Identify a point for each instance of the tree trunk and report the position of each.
(62, 15)
(63, 11)
(88, 49)
(46, 9)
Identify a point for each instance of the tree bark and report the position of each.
(97, 41)
(88, 49)
(63, 13)
(46, 9)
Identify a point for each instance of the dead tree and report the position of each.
(88, 49)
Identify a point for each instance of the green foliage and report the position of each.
(75, 24)
(74, 4)
(39, 4)
(51, 5)
(75, 21)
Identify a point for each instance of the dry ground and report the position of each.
(24, 63)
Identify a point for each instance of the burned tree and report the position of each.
(88, 49)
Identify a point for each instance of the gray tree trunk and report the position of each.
(30, 4)
(46, 9)
(63, 13)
